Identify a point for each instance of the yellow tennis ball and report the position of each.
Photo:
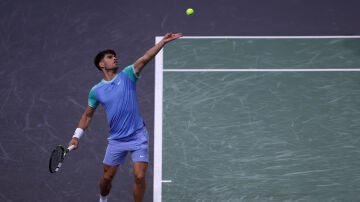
(190, 11)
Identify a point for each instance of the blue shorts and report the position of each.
(137, 144)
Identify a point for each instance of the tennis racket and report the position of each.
(57, 157)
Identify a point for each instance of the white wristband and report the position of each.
(78, 133)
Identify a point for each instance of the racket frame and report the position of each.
(64, 153)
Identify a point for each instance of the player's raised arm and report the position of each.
(151, 53)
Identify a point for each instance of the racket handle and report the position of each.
(71, 147)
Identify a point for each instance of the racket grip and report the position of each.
(71, 147)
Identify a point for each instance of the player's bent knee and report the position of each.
(109, 173)
(108, 176)
(139, 178)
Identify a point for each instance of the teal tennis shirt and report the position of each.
(119, 99)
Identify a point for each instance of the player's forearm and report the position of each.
(86, 118)
(152, 52)
(82, 126)
(149, 55)
(84, 122)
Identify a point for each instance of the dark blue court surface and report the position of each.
(47, 49)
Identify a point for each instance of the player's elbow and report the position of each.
(140, 64)
(145, 59)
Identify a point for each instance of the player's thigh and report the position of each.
(140, 153)
(115, 154)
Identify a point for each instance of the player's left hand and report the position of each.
(170, 36)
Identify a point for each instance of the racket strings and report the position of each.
(57, 157)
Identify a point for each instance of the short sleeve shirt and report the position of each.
(119, 99)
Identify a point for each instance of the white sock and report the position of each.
(103, 198)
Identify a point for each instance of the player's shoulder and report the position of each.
(128, 69)
(97, 85)
(130, 72)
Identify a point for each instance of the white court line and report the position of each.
(158, 124)
(261, 70)
(159, 92)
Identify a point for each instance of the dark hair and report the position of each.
(101, 56)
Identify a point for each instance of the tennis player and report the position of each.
(128, 134)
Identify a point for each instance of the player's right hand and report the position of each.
(74, 141)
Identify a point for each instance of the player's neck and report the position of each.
(109, 74)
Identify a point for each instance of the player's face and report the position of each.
(110, 62)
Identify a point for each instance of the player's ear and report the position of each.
(101, 64)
